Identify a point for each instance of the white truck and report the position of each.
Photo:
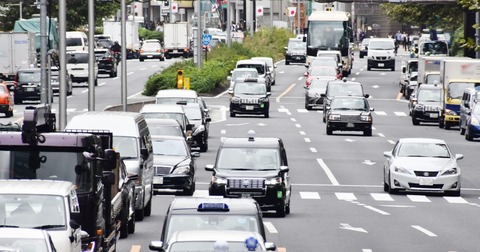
(429, 69)
(176, 42)
(114, 29)
(456, 74)
(17, 50)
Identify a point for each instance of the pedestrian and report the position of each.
(404, 40)
(398, 40)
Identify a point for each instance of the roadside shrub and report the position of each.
(148, 34)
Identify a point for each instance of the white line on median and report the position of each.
(313, 150)
(327, 170)
(302, 133)
(423, 230)
(130, 73)
(271, 229)
(298, 125)
(307, 140)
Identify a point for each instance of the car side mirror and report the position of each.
(208, 119)
(209, 168)
(366, 95)
(196, 154)
(73, 224)
(305, 74)
(372, 109)
(323, 95)
(458, 156)
(327, 107)
(388, 154)
(404, 69)
(268, 94)
(144, 152)
(156, 246)
(284, 168)
(306, 65)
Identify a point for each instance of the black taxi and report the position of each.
(253, 167)
(249, 96)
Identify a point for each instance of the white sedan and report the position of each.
(422, 164)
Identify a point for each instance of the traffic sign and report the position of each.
(206, 39)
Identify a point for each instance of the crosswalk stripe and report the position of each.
(455, 200)
(309, 195)
(200, 193)
(381, 196)
(346, 196)
(400, 113)
(302, 111)
(418, 198)
(382, 113)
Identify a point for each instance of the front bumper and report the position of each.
(415, 183)
(151, 56)
(349, 126)
(296, 58)
(452, 119)
(4, 108)
(172, 181)
(426, 116)
(260, 108)
(375, 63)
(473, 130)
(28, 95)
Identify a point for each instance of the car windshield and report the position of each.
(22, 244)
(345, 89)
(323, 71)
(319, 84)
(248, 158)
(159, 115)
(78, 58)
(127, 146)
(212, 221)
(26, 77)
(435, 47)
(429, 95)
(74, 42)
(423, 150)
(260, 68)
(349, 104)
(297, 46)
(249, 88)
(105, 43)
(101, 54)
(151, 46)
(244, 74)
(207, 246)
(169, 147)
(381, 45)
(31, 211)
(323, 61)
(168, 130)
(193, 113)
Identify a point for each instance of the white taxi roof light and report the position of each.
(251, 135)
(213, 207)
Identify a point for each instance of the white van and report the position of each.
(76, 41)
(131, 138)
(381, 53)
(262, 69)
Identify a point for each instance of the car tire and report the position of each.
(131, 224)
(96, 82)
(141, 59)
(390, 189)
(148, 208)
(204, 145)
(287, 62)
(287, 209)
(415, 121)
(441, 123)
(467, 136)
(191, 191)
(369, 68)
(329, 131)
(447, 125)
(307, 107)
(281, 209)
(232, 114)
(124, 226)
(393, 68)
(140, 213)
(17, 100)
(267, 114)
(162, 59)
(367, 132)
(361, 56)
(70, 92)
(113, 73)
(9, 114)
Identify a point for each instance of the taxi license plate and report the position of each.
(175, 51)
(158, 180)
(30, 89)
(426, 181)
(149, 56)
(434, 115)
(381, 64)
(350, 125)
(249, 107)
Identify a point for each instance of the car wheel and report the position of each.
(361, 56)
(148, 208)
(232, 114)
(447, 125)
(467, 136)
(307, 107)
(415, 121)
(281, 209)
(441, 123)
(70, 92)
(329, 130)
(96, 82)
(189, 192)
(393, 68)
(324, 119)
(162, 59)
(367, 132)
(9, 114)
(141, 59)
(369, 68)
(112, 74)
(287, 209)
(386, 188)
(204, 145)
(267, 114)
(390, 189)
(453, 193)
(287, 62)
(17, 100)
(124, 227)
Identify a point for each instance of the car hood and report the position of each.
(246, 174)
(424, 163)
(242, 96)
(167, 160)
(430, 104)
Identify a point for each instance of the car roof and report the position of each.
(245, 69)
(152, 122)
(28, 70)
(342, 82)
(35, 187)
(105, 120)
(77, 52)
(251, 80)
(243, 142)
(163, 108)
(421, 140)
(214, 235)
(349, 97)
(235, 205)
(26, 233)
(177, 93)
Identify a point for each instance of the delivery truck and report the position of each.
(17, 51)
(176, 41)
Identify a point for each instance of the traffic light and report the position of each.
(180, 79)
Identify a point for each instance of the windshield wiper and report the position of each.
(48, 226)
(241, 169)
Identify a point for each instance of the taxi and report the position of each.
(6, 100)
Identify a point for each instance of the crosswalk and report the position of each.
(376, 197)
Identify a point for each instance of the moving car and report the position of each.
(241, 73)
(27, 85)
(174, 166)
(316, 92)
(364, 47)
(55, 81)
(422, 164)
(349, 113)
(295, 51)
(320, 71)
(25, 240)
(151, 49)
(6, 101)
(341, 88)
(427, 104)
(168, 127)
(262, 69)
(324, 61)
(77, 66)
(177, 96)
(271, 67)
(472, 129)
(381, 53)
(470, 97)
(200, 125)
(167, 111)
(107, 63)
(255, 167)
(249, 97)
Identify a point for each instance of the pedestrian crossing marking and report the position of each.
(302, 111)
(455, 200)
(418, 198)
(380, 113)
(309, 195)
(400, 113)
(346, 196)
(381, 196)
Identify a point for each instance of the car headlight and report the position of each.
(334, 117)
(289, 53)
(401, 170)
(419, 107)
(450, 112)
(219, 181)
(474, 121)
(199, 130)
(366, 118)
(273, 181)
(235, 100)
(181, 170)
(451, 171)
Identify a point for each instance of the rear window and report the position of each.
(33, 76)
(260, 68)
(78, 58)
(74, 42)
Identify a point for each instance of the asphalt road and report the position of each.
(338, 203)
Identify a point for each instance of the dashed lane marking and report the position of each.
(327, 170)
(425, 231)
(309, 195)
(269, 226)
(135, 248)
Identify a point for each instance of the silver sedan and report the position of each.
(422, 164)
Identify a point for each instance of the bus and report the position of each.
(330, 30)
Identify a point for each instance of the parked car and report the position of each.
(174, 165)
(151, 49)
(77, 66)
(6, 100)
(107, 63)
(422, 164)
(349, 113)
(55, 81)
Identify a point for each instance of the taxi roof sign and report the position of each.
(213, 207)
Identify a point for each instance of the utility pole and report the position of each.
(43, 51)
(123, 53)
(62, 93)
(91, 55)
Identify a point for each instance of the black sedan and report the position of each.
(107, 63)
(349, 113)
(174, 164)
(316, 92)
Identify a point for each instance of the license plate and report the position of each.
(249, 107)
(426, 181)
(175, 51)
(158, 180)
(297, 58)
(381, 64)
(434, 115)
(149, 56)
(30, 89)
(350, 125)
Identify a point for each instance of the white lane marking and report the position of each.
(425, 231)
(142, 69)
(367, 250)
(349, 227)
(130, 73)
(300, 78)
(381, 135)
(327, 170)
(302, 133)
(373, 128)
(85, 110)
(357, 73)
(377, 210)
(302, 110)
(400, 113)
(353, 79)
(281, 72)
(223, 132)
(309, 195)
(349, 140)
(154, 66)
(201, 194)
(455, 200)
(84, 91)
(391, 141)
(381, 196)
(307, 140)
(284, 93)
(346, 196)
(293, 119)
(269, 226)
(418, 198)
(313, 150)
(71, 110)
(382, 113)
(101, 84)
(298, 125)
(131, 96)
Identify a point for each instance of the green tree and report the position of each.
(471, 5)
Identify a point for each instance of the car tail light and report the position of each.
(141, 51)
(158, 50)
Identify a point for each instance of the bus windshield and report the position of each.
(326, 34)
(455, 89)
